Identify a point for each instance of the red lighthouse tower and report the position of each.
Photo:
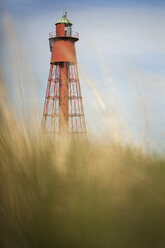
(63, 109)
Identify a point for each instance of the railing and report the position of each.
(67, 34)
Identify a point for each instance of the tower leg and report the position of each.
(46, 105)
(63, 109)
(63, 99)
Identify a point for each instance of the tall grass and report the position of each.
(76, 194)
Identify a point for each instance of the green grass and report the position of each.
(77, 194)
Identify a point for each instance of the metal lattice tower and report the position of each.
(63, 109)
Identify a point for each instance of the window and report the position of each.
(68, 30)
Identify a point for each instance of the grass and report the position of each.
(77, 194)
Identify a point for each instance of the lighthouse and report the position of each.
(63, 112)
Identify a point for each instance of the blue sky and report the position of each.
(30, 7)
(124, 3)
(121, 49)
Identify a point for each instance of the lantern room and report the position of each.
(64, 26)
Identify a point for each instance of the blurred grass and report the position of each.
(76, 194)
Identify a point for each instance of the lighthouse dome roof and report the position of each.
(64, 20)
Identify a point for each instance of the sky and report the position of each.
(121, 52)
